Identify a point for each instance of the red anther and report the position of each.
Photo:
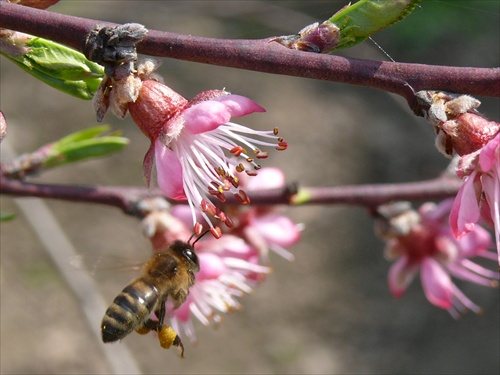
(242, 197)
(250, 160)
(275, 131)
(257, 167)
(256, 151)
(198, 228)
(229, 222)
(240, 168)
(213, 191)
(216, 232)
(221, 197)
(227, 185)
(237, 150)
(282, 146)
(222, 216)
(235, 182)
(280, 139)
(211, 210)
(238, 198)
(251, 173)
(204, 205)
(262, 155)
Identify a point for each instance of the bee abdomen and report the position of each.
(129, 310)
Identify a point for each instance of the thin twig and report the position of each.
(265, 56)
(126, 198)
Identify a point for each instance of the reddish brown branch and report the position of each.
(264, 56)
(126, 198)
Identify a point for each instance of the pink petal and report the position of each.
(184, 213)
(400, 276)
(474, 243)
(277, 229)
(238, 105)
(169, 172)
(436, 283)
(487, 157)
(148, 163)
(183, 313)
(491, 187)
(211, 267)
(465, 211)
(205, 116)
(268, 178)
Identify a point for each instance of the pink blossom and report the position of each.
(430, 249)
(263, 227)
(479, 196)
(229, 269)
(189, 142)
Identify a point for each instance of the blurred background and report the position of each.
(329, 311)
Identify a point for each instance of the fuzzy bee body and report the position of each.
(169, 273)
(129, 310)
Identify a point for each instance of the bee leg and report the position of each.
(168, 337)
(149, 325)
(166, 334)
(160, 313)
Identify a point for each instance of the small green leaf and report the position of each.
(7, 216)
(85, 144)
(60, 67)
(303, 196)
(365, 17)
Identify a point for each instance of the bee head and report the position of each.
(189, 254)
(186, 252)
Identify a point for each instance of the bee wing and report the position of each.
(96, 265)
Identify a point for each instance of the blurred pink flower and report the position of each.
(262, 226)
(479, 196)
(229, 268)
(430, 248)
(188, 144)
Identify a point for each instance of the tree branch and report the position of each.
(126, 198)
(265, 56)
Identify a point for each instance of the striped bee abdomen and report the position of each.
(129, 310)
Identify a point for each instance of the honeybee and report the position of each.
(169, 273)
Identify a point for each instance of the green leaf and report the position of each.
(365, 17)
(7, 216)
(60, 67)
(85, 144)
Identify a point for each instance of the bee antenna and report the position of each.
(199, 238)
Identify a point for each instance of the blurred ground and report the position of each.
(329, 311)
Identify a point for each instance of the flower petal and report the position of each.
(268, 178)
(169, 172)
(148, 163)
(238, 105)
(211, 267)
(487, 156)
(277, 229)
(465, 211)
(436, 283)
(205, 116)
(400, 276)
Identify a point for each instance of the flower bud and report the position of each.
(155, 105)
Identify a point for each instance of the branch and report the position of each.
(126, 198)
(265, 56)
